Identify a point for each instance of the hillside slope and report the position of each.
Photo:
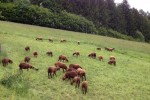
(128, 80)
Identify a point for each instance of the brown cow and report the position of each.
(84, 87)
(50, 40)
(5, 61)
(76, 79)
(109, 49)
(70, 74)
(35, 54)
(39, 38)
(75, 66)
(52, 70)
(27, 59)
(63, 40)
(77, 53)
(61, 65)
(49, 53)
(62, 58)
(26, 66)
(100, 57)
(98, 48)
(78, 42)
(112, 62)
(81, 73)
(27, 48)
(71, 69)
(92, 55)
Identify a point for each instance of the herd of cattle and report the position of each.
(74, 71)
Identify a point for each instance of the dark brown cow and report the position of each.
(35, 54)
(92, 55)
(5, 61)
(112, 62)
(52, 70)
(78, 42)
(62, 58)
(39, 38)
(77, 53)
(50, 40)
(26, 66)
(49, 53)
(84, 87)
(98, 48)
(27, 48)
(70, 74)
(27, 59)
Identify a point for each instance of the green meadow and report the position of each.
(128, 80)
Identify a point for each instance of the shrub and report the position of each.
(112, 33)
(32, 14)
(139, 36)
(16, 82)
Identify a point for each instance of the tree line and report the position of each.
(108, 18)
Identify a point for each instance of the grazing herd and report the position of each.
(74, 72)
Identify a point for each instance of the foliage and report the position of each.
(16, 82)
(105, 13)
(112, 33)
(31, 14)
(1, 17)
(139, 36)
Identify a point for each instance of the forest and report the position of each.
(103, 17)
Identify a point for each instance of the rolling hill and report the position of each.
(129, 79)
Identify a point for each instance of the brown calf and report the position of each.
(84, 87)
(101, 58)
(81, 73)
(76, 79)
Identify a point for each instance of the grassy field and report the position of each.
(129, 80)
